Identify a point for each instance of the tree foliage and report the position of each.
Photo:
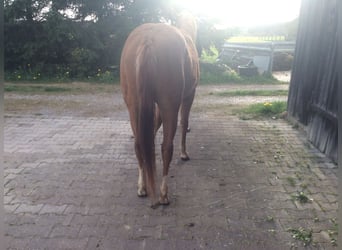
(77, 38)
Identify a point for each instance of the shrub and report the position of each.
(282, 61)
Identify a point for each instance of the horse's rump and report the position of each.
(156, 50)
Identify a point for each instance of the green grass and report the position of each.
(252, 93)
(208, 77)
(60, 76)
(301, 197)
(263, 79)
(210, 56)
(333, 233)
(291, 181)
(301, 234)
(30, 88)
(269, 219)
(262, 110)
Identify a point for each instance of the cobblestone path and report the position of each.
(70, 183)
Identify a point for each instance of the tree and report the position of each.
(24, 10)
(210, 36)
(79, 37)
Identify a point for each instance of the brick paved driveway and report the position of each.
(70, 181)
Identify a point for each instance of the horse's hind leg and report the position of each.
(157, 119)
(169, 130)
(141, 179)
(185, 112)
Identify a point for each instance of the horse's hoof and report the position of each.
(164, 201)
(185, 157)
(142, 193)
(155, 205)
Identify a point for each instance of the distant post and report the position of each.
(270, 66)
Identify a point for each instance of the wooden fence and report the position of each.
(313, 99)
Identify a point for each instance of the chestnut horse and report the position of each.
(159, 71)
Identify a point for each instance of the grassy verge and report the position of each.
(29, 88)
(262, 110)
(226, 77)
(60, 76)
(251, 93)
(57, 88)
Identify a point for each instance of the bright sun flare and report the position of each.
(244, 12)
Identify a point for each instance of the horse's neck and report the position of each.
(188, 25)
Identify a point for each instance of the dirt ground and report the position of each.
(104, 100)
(86, 99)
(284, 76)
(70, 177)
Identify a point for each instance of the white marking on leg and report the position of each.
(163, 187)
(141, 183)
(164, 200)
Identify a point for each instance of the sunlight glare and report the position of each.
(244, 12)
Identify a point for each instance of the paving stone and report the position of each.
(71, 183)
(28, 208)
(60, 231)
(48, 209)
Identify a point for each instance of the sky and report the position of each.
(244, 13)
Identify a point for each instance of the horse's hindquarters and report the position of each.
(152, 71)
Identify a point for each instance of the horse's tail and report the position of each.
(145, 68)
